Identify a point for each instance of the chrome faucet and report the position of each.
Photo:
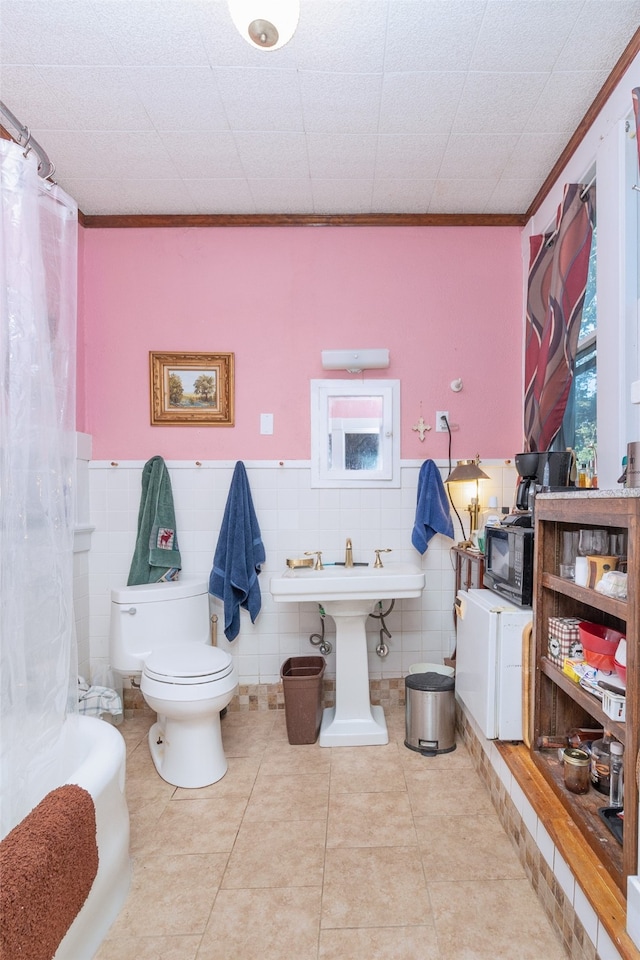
(348, 554)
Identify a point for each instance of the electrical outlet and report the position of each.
(441, 426)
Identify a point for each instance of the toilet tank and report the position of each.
(152, 615)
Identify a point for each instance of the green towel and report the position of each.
(156, 555)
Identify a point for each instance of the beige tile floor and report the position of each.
(310, 853)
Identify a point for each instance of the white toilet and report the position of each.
(160, 631)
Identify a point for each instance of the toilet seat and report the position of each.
(188, 663)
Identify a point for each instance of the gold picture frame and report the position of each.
(192, 389)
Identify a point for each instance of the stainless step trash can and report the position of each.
(430, 713)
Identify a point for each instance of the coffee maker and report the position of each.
(548, 471)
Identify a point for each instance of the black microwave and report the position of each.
(508, 563)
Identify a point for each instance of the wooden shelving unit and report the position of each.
(559, 702)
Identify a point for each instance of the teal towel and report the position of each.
(156, 555)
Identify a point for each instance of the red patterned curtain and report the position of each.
(635, 94)
(558, 269)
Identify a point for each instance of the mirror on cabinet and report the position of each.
(355, 433)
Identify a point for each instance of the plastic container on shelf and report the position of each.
(599, 644)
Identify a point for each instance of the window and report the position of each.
(578, 429)
(355, 433)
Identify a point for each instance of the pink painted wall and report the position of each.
(445, 301)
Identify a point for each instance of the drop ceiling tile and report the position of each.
(533, 156)
(527, 36)
(341, 156)
(340, 103)
(412, 196)
(221, 196)
(157, 196)
(420, 103)
(476, 156)
(341, 37)
(342, 196)
(459, 196)
(137, 196)
(260, 99)
(31, 99)
(74, 35)
(602, 29)
(97, 154)
(162, 32)
(513, 196)
(203, 154)
(97, 98)
(409, 157)
(281, 195)
(273, 154)
(179, 98)
(497, 103)
(431, 35)
(560, 107)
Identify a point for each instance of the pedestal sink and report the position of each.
(349, 595)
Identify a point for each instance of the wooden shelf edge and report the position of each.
(596, 883)
(585, 595)
(587, 701)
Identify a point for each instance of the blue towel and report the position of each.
(239, 553)
(432, 508)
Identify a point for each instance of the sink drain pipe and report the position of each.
(382, 649)
(318, 639)
(325, 647)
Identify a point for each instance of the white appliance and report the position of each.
(489, 661)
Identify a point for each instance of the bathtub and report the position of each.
(93, 756)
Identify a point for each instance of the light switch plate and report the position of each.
(266, 423)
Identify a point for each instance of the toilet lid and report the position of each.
(188, 663)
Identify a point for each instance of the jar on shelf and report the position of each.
(576, 770)
(600, 764)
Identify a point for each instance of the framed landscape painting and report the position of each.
(192, 389)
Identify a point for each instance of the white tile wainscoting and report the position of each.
(293, 518)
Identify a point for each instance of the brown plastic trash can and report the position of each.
(302, 685)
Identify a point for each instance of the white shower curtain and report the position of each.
(38, 301)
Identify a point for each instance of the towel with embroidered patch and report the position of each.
(432, 508)
(156, 556)
(238, 557)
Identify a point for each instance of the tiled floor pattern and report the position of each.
(310, 853)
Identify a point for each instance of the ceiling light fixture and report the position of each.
(265, 24)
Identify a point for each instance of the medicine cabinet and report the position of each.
(355, 433)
